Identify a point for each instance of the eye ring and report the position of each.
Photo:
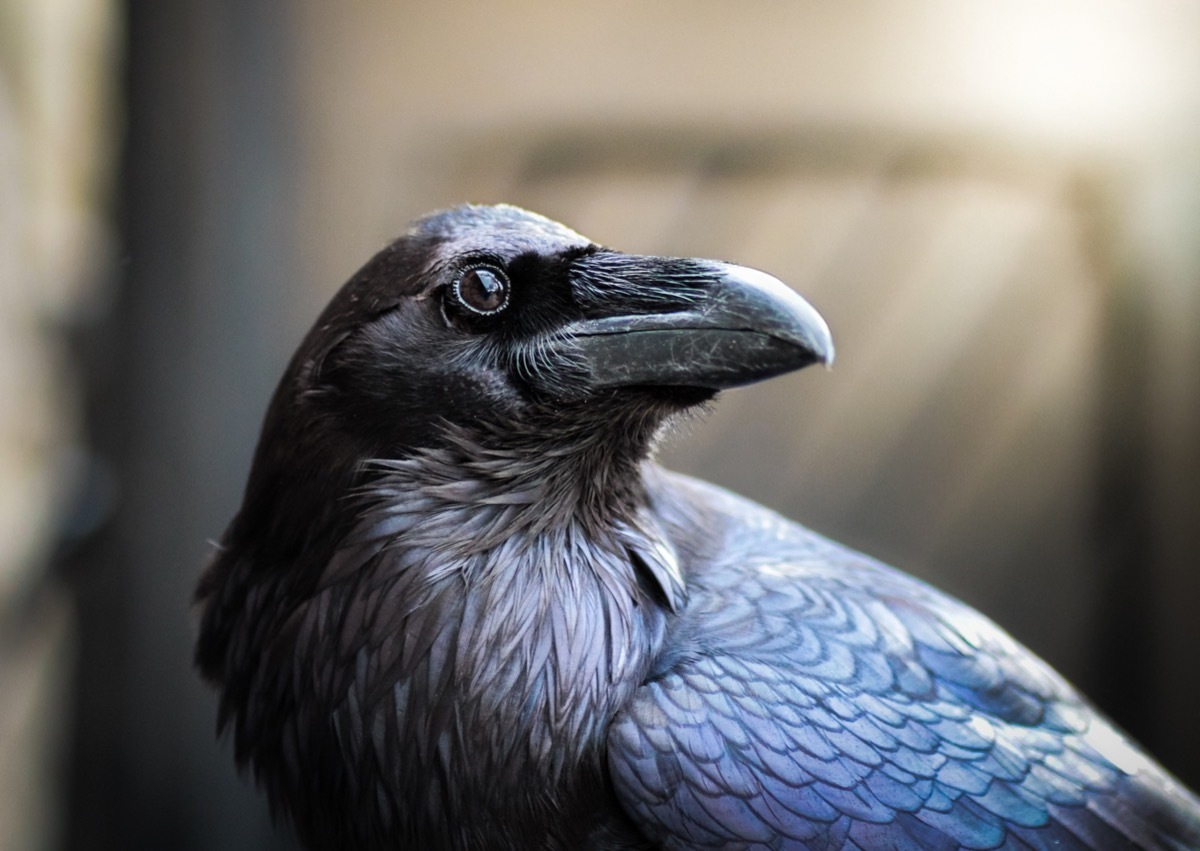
(482, 290)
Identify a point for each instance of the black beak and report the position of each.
(665, 322)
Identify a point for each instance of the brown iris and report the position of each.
(482, 290)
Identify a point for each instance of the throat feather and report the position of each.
(505, 632)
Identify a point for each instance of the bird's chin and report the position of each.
(636, 408)
(675, 396)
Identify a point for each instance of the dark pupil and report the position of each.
(482, 290)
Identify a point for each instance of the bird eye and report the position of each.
(482, 290)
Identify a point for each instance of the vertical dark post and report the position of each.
(183, 367)
(1127, 566)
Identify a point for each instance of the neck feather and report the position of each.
(515, 602)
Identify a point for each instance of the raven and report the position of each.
(461, 607)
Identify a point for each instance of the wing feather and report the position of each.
(822, 700)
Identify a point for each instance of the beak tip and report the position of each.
(819, 338)
(827, 352)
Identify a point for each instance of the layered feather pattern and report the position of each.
(822, 700)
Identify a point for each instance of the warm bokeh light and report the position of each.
(1084, 73)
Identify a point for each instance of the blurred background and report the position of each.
(996, 207)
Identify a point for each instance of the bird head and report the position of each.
(490, 317)
(500, 323)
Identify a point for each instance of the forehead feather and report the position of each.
(501, 224)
